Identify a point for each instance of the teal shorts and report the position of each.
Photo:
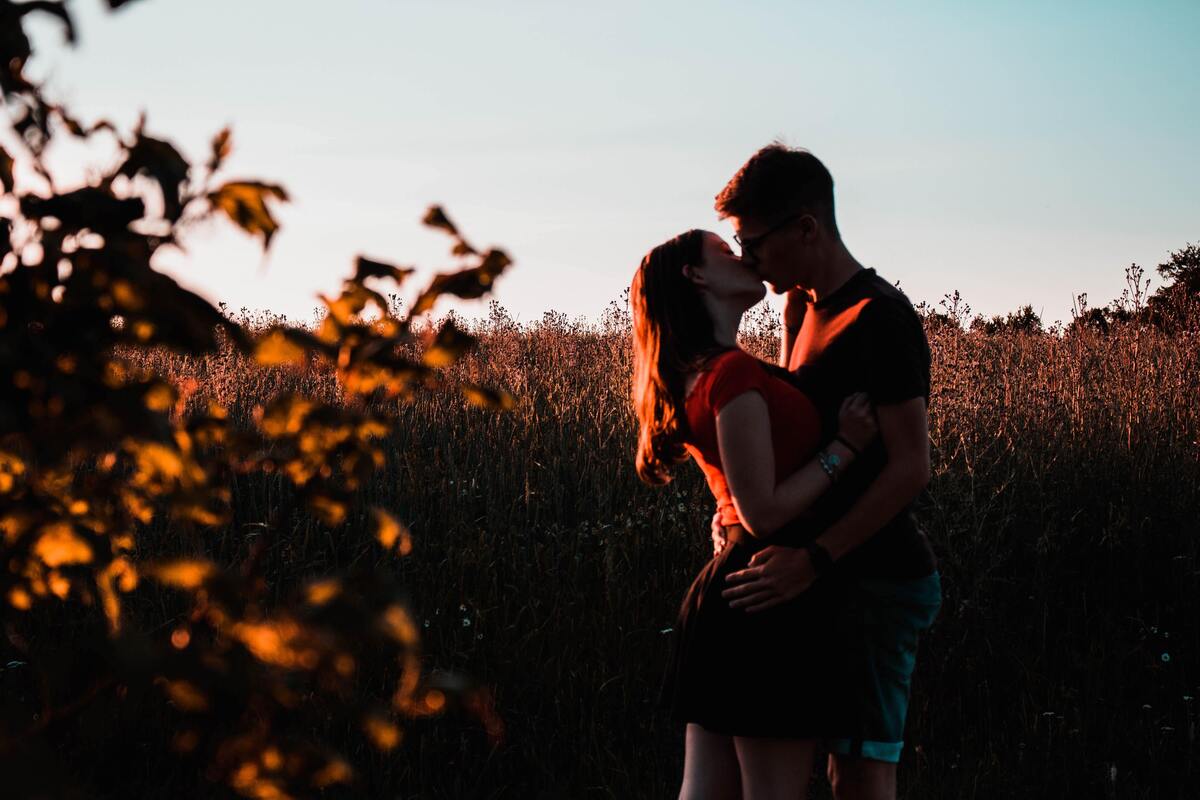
(890, 616)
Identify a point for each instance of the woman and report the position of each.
(755, 690)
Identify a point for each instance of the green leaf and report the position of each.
(245, 202)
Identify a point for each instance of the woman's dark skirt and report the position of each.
(781, 673)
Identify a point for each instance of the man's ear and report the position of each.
(809, 228)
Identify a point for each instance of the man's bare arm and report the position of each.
(904, 429)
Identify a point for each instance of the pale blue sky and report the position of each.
(1017, 151)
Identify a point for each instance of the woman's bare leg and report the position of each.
(710, 767)
(775, 769)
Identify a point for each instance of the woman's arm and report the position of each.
(748, 461)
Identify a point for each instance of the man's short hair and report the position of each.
(778, 181)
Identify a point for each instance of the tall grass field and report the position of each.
(1063, 511)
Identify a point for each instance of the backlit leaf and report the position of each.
(245, 202)
(366, 268)
(469, 284)
(398, 624)
(320, 592)
(331, 512)
(450, 345)
(435, 217)
(183, 573)
(6, 170)
(382, 732)
(59, 545)
(391, 532)
(19, 599)
(222, 145)
(484, 397)
(335, 771)
(91, 207)
(160, 397)
(284, 415)
(186, 695)
(276, 349)
(162, 162)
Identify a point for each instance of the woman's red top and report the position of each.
(795, 424)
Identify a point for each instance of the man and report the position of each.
(846, 329)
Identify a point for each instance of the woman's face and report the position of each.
(723, 275)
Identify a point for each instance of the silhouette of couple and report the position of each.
(800, 635)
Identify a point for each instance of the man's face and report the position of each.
(775, 250)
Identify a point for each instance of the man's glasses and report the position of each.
(752, 243)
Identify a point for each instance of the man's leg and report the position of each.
(893, 616)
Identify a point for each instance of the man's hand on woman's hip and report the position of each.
(775, 575)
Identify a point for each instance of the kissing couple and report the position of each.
(800, 635)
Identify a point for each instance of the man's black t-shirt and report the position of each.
(866, 337)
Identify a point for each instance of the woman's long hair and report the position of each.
(672, 335)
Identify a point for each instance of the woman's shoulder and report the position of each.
(734, 358)
(733, 372)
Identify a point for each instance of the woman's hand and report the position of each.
(718, 535)
(856, 421)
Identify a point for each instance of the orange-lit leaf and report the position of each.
(221, 147)
(435, 217)
(484, 397)
(276, 349)
(398, 624)
(318, 593)
(367, 268)
(19, 599)
(160, 397)
(59, 545)
(284, 415)
(392, 533)
(382, 732)
(245, 202)
(182, 573)
(185, 695)
(335, 771)
(449, 346)
(331, 512)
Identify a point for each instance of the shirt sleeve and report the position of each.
(734, 375)
(898, 364)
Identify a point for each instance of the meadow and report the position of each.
(1062, 510)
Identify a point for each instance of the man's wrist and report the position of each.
(821, 559)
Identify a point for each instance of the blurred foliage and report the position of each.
(95, 447)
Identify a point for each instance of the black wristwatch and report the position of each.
(821, 560)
